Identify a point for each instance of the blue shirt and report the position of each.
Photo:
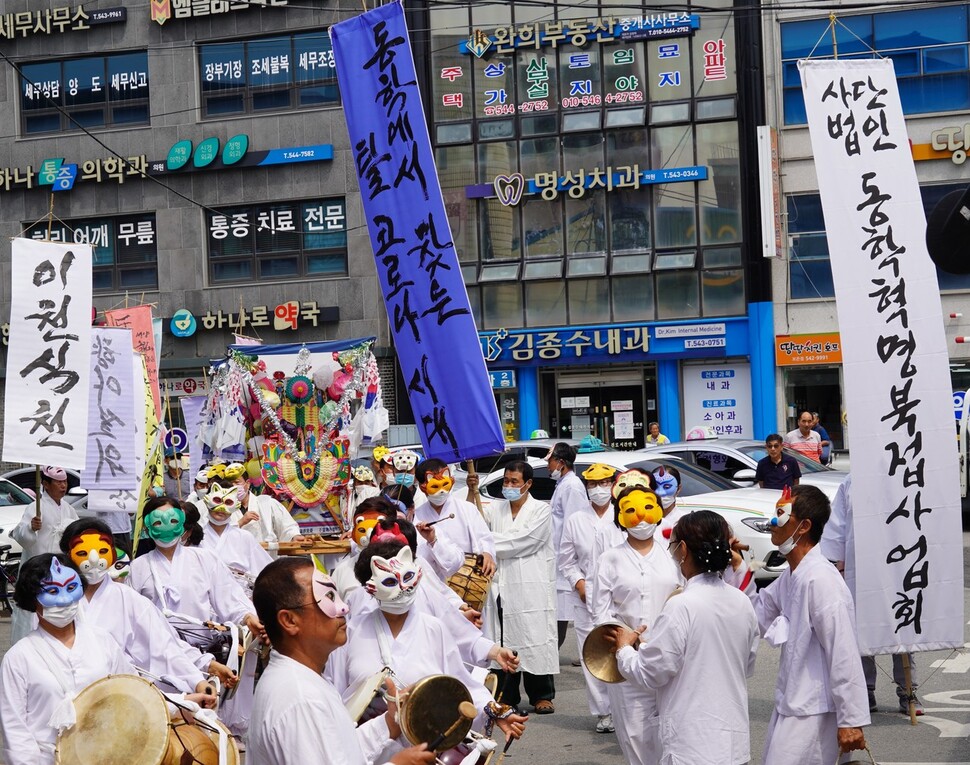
(778, 476)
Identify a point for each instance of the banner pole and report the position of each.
(37, 490)
(908, 675)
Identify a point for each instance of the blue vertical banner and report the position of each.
(427, 305)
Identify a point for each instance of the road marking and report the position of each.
(947, 728)
(958, 663)
(948, 697)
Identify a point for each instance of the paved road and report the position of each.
(567, 737)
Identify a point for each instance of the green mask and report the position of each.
(166, 524)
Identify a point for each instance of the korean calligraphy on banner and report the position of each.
(139, 320)
(909, 575)
(46, 413)
(111, 415)
(126, 500)
(427, 306)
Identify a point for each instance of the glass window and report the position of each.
(278, 241)
(579, 73)
(668, 69)
(586, 266)
(661, 114)
(538, 81)
(543, 269)
(674, 205)
(494, 85)
(625, 74)
(713, 54)
(918, 28)
(717, 109)
(723, 292)
(677, 295)
(586, 223)
(722, 256)
(617, 118)
(501, 306)
(93, 92)
(633, 298)
(125, 248)
(589, 301)
(671, 260)
(542, 226)
(720, 194)
(631, 264)
(498, 230)
(460, 133)
(497, 158)
(951, 59)
(545, 304)
(456, 170)
(268, 73)
(451, 71)
(578, 121)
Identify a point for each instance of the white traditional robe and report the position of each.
(568, 498)
(54, 519)
(467, 531)
(607, 535)
(196, 583)
(275, 523)
(697, 656)
(632, 588)
(237, 549)
(423, 647)
(35, 680)
(299, 718)
(575, 562)
(819, 672)
(140, 630)
(525, 581)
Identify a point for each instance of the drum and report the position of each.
(470, 583)
(367, 701)
(124, 719)
(431, 709)
(456, 755)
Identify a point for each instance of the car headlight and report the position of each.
(762, 525)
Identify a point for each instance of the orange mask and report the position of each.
(94, 554)
(364, 527)
(440, 481)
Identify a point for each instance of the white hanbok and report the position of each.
(38, 675)
(299, 718)
(140, 630)
(632, 588)
(423, 647)
(821, 687)
(237, 549)
(54, 519)
(525, 582)
(569, 497)
(275, 523)
(576, 563)
(467, 532)
(697, 656)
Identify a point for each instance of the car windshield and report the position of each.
(806, 465)
(11, 494)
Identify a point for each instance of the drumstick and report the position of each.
(466, 711)
(446, 518)
(502, 755)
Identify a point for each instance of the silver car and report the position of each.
(737, 460)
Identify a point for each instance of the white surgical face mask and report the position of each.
(94, 575)
(555, 475)
(218, 522)
(668, 502)
(599, 495)
(439, 498)
(401, 604)
(242, 491)
(166, 545)
(203, 491)
(789, 544)
(642, 530)
(512, 493)
(60, 616)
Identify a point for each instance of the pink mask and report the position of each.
(326, 596)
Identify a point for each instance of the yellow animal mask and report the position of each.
(436, 482)
(94, 553)
(640, 507)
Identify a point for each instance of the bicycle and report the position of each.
(9, 567)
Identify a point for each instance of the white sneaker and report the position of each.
(604, 724)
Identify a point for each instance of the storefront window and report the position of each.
(456, 170)
(451, 72)
(589, 301)
(501, 306)
(632, 298)
(677, 295)
(720, 194)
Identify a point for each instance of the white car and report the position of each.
(747, 511)
(737, 459)
(26, 478)
(13, 502)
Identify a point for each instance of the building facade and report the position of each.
(213, 174)
(929, 49)
(598, 164)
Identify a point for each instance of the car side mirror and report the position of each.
(745, 475)
(77, 491)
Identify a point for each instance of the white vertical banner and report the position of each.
(111, 413)
(126, 500)
(905, 493)
(48, 355)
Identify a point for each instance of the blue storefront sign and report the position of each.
(607, 343)
(503, 378)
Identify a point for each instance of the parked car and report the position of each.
(26, 478)
(13, 501)
(746, 510)
(737, 459)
